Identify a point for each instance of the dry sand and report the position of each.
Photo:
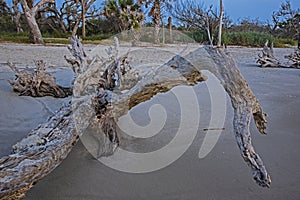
(220, 175)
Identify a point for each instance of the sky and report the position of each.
(240, 9)
(261, 9)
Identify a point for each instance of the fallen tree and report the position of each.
(118, 88)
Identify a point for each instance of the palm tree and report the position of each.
(155, 13)
(128, 13)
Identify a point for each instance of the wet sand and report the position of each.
(222, 174)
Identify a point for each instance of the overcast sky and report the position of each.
(261, 9)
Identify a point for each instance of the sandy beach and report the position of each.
(222, 174)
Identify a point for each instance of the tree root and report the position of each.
(37, 82)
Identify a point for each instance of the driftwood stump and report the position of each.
(45, 147)
(37, 82)
(267, 58)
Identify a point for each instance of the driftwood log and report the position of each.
(294, 58)
(37, 82)
(267, 59)
(45, 147)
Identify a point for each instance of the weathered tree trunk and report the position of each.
(83, 18)
(220, 24)
(17, 16)
(35, 35)
(170, 29)
(156, 20)
(75, 28)
(209, 34)
(39, 153)
(134, 36)
(30, 11)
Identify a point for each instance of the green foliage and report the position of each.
(98, 36)
(287, 21)
(198, 36)
(126, 13)
(56, 40)
(56, 35)
(14, 37)
(248, 38)
(6, 23)
(254, 39)
(284, 42)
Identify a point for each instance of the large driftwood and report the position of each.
(44, 148)
(37, 155)
(245, 106)
(37, 82)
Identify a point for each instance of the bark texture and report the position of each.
(37, 155)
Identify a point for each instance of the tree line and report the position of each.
(92, 17)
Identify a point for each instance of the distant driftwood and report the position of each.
(37, 82)
(294, 58)
(45, 147)
(267, 58)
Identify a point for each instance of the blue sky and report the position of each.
(261, 9)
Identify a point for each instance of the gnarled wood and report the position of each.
(267, 58)
(245, 105)
(35, 156)
(295, 59)
(79, 55)
(37, 82)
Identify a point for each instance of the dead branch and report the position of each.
(37, 82)
(245, 105)
(79, 55)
